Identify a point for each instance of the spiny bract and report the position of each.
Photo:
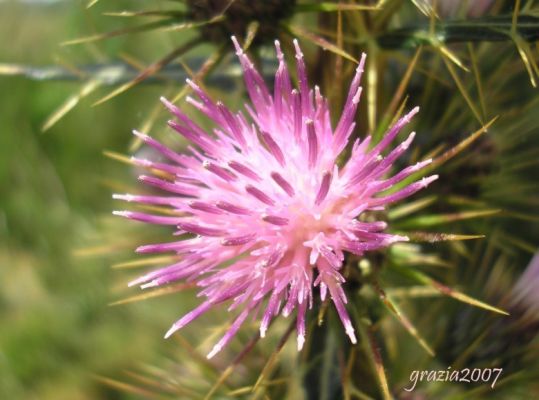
(264, 212)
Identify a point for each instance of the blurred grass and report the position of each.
(57, 330)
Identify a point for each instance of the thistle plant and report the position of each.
(304, 219)
(302, 243)
(371, 279)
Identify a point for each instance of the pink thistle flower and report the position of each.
(525, 293)
(264, 211)
(450, 8)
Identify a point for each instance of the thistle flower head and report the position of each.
(525, 293)
(264, 212)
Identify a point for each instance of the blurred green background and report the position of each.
(56, 327)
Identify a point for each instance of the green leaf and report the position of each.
(433, 237)
(333, 7)
(368, 340)
(485, 29)
(152, 69)
(147, 13)
(410, 208)
(88, 88)
(321, 42)
(429, 220)
(402, 318)
(154, 293)
(125, 31)
(426, 280)
(127, 387)
(270, 363)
